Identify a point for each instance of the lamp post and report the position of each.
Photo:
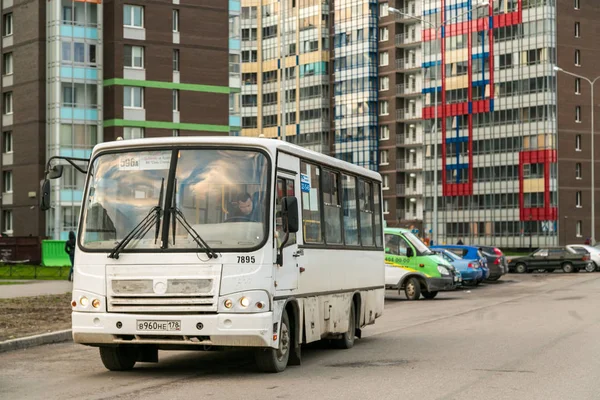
(530, 232)
(436, 28)
(591, 82)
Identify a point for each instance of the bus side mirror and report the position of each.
(45, 195)
(55, 172)
(290, 213)
(410, 252)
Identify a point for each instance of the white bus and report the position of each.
(197, 242)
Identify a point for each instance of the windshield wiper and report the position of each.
(197, 238)
(153, 217)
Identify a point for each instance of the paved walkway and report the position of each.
(34, 288)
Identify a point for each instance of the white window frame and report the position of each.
(7, 221)
(384, 59)
(176, 60)
(577, 58)
(578, 228)
(384, 87)
(7, 59)
(385, 182)
(578, 143)
(7, 101)
(384, 10)
(577, 5)
(132, 97)
(176, 100)
(7, 142)
(578, 171)
(129, 130)
(175, 20)
(578, 200)
(7, 27)
(577, 29)
(7, 182)
(384, 110)
(384, 160)
(384, 132)
(132, 9)
(577, 86)
(386, 207)
(384, 34)
(133, 57)
(578, 114)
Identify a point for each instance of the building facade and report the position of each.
(104, 70)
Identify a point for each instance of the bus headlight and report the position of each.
(88, 302)
(255, 301)
(443, 270)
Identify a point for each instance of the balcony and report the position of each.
(400, 189)
(408, 14)
(404, 89)
(404, 64)
(404, 165)
(408, 115)
(408, 140)
(408, 38)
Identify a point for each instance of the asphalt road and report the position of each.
(533, 336)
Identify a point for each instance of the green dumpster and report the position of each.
(54, 255)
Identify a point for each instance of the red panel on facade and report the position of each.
(457, 189)
(460, 28)
(547, 213)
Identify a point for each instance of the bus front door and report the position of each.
(286, 275)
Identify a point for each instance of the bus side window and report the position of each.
(350, 211)
(311, 210)
(365, 201)
(285, 187)
(332, 208)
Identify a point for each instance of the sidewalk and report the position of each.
(34, 288)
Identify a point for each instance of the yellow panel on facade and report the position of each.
(270, 65)
(457, 82)
(456, 56)
(270, 132)
(250, 132)
(533, 185)
(249, 67)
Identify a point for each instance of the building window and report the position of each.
(578, 200)
(386, 207)
(175, 132)
(7, 181)
(577, 5)
(579, 228)
(384, 59)
(384, 157)
(134, 56)
(175, 100)
(577, 58)
(7, 64)
(384, 132)
(133, 97)
(176, 60)
(386, 182)
(133, 16)
(578, 142)
(577, 113)
(7, 24)
(7, 103)
(8, 142)
(7, 221)
(133, 133)
(578, 171)
(384, 10)
(384, 83)
(577, 30)
(577, 86)
(384, 34)
(384, 108)
(175, 20)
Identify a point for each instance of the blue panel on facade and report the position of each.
(78, 73)
(481, 83)
(480, 55)
(78, 113)
(470, 107)
(491, 105)
(451, 167)
(458, 139)
(78, 32)
(431, 89)
(235, 121)
(234, 44)
(234, 5)
(67, 195)
(430, 64)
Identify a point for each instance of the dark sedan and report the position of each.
(550, 259)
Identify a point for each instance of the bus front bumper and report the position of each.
(244, 330)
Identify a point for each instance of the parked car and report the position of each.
(594, 253)
(550, 259)
(496, 262)
(469, 270)
(413, 268)
(468, 253)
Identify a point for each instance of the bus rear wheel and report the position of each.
(118, 358)
(347, 339)
(276, 360)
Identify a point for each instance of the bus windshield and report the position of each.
(222, 194)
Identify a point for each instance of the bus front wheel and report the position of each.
(275, 360)
(118, 358)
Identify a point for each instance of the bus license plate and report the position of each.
(145, 325)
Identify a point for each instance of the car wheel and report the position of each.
(521, 268)
(429, 295)
(412, 289)
(590, 267)
(493, 278)
(568, 268)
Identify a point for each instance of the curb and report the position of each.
(37, 340)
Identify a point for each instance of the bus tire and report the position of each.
(412, 289)
(118, 358)
(429, 295)
(347, 339)
(276, 360)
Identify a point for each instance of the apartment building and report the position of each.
(400, 112)
(512, 169)
(76, 73)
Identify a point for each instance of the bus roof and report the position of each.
(271, 145)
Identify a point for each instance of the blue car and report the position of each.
(470, 271)
(470, 253)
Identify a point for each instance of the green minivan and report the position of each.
(413, 267)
